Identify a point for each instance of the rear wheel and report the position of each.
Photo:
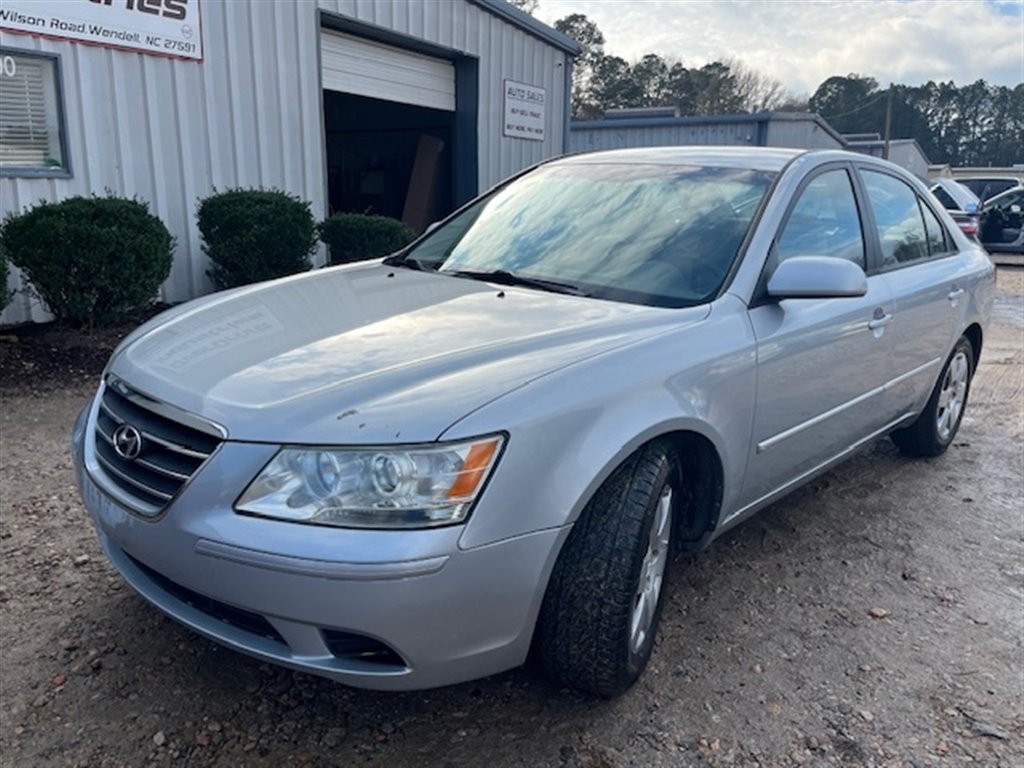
(934, 430)
(601, 611)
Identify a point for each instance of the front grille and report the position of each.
(235, 617)
(171, 451)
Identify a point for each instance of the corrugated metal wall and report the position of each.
(802, 134)
(755, 131)
(584, 139)
(171, 131)
(505, 52)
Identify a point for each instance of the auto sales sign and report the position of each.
(166, 27)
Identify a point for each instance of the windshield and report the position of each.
(646, 234)
(988, 188)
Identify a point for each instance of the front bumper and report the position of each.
(285, 592)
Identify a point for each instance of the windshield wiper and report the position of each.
(504, 277)
(404, 261)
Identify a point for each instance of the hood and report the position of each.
(368, 354)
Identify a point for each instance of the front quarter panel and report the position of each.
(569, 431)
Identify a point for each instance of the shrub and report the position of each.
(5, 295)
(255, 234)
(355, 236)
(91, 259)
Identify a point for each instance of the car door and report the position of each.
(821, 363)
(927, 278)
(1003, 222)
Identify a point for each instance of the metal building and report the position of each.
(401, 107)
(906, 153)
(763, 129)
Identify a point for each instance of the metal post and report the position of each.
(888, 122)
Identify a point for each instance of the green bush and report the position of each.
(255, 234)
(355, 236)
(91, 259)
(5, 295)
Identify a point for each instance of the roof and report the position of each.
(879, 144)
(758, 158)
(967, 172)
(754, 118)
(530, 25)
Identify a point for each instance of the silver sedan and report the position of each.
(408, 473)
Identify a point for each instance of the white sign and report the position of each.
(167, 27)
(525, 110)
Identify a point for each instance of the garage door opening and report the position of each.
(388, 158)
(400, 127)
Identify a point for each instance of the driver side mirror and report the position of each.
(817, 277)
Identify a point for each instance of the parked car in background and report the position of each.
(986, 187)
(961, 202)
(410, 472)
(1002, 222)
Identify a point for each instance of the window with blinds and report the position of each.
(30, 119)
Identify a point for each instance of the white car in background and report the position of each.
(963, 205)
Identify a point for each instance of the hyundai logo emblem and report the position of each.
(127, 442)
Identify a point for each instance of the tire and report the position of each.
(597, 623)
(933, 431)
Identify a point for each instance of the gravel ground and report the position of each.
(874, 618)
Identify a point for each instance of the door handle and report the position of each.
(955, 294)
(879, 321)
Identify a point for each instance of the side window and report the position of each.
(1007, 203)
(901, 230)
(937, 243)
(824, 221)
(31, 121)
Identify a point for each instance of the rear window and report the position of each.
(943, 197)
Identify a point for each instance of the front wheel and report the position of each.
(934, 430)
(601, 610)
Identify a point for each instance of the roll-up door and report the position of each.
(364, 68)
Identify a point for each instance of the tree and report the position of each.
(757, 92)
(612, 87)
(526, 6)
(1005, 140)
(794, 103)
(975, 124)
(591, 42)
(650, 78)
(716, 90)
(849, 103)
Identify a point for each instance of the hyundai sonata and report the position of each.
(410, 472)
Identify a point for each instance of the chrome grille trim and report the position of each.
(111, 469)
(179, 476)
(149, 435)
(169, 412)
(173, 448)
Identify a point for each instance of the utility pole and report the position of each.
(888, 122)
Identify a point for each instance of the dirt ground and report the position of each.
(874, 618)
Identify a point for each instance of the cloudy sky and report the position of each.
(802, 42)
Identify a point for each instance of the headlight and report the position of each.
(402, 487)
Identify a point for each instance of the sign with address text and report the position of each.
(167, 27)
(525, 111)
